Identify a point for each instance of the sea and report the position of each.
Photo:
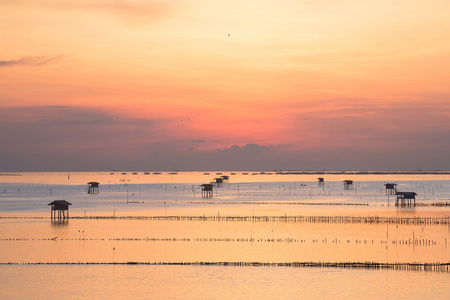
(257, 235)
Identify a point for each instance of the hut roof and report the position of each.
(391, 184)
(406, 194)
(60, 202)
(93, 182)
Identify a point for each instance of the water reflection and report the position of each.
(109, 240)
(406, 211)
(268, 218)
(285, 223)
(59, 222)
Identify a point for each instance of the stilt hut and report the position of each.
(405, 199)
(348, 184)
(58, 210)
(218, 181)
(207, 190)
(93, 187)
(225, 178)
(321, 181)
(391, 188)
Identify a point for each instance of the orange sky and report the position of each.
(195, 84)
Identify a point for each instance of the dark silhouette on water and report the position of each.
(391, 188)
(321, 181)
(405, 199)
(58, 210)
(218, 182)
(207, 190)
(93, 187)
(348, 184)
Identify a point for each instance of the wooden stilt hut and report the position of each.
(218, 181)
(93, 187)
(405, 199)
(321, 181)
(391, 188)
(348, 184)
(59, 209)
(207, 190)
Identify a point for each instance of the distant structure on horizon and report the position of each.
(321, 181)
(218, 181)
(391, 188)
(207, 190)
(93, 187)
(348, 184)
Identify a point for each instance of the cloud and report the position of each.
(74, 129)
(247, 149)
(350, 136)
(149, 8)
(29, 61)
(132, 11)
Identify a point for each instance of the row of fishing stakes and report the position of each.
(436, 267)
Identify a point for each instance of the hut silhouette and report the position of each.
(405, 199)
(348, 184)
(207, 190)
(391, 188)
(218, 181)
(321, 181)
(58, 209)
(93, 187)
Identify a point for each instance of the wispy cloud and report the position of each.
(29, 61)
(247, 149)
(133, 11)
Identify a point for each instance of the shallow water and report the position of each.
(190, 241)
(100, 229)
(212, 282)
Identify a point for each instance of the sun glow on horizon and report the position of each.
(295, 78)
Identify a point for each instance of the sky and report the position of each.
(91, 85)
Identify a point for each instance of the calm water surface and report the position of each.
(28, 236)
(210, 282)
